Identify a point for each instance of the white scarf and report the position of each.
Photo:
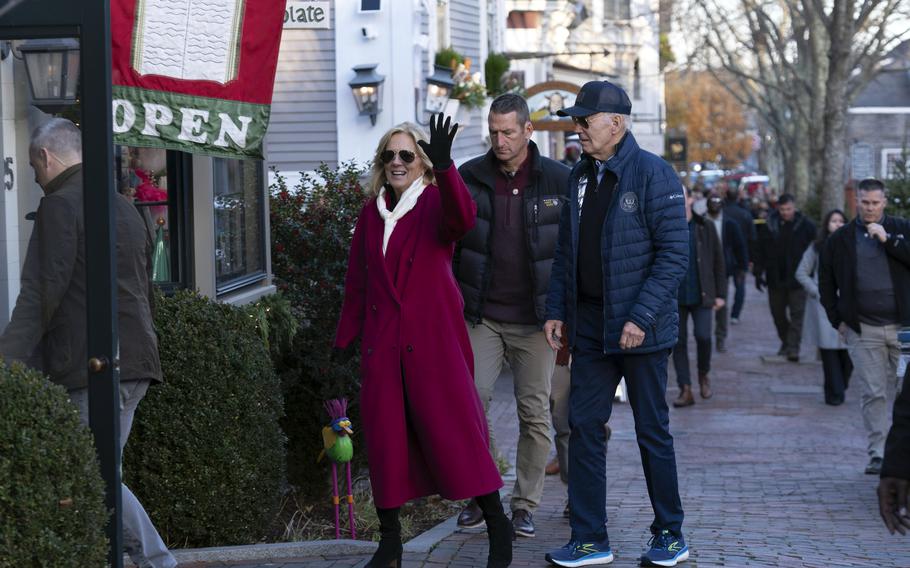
(407, 202)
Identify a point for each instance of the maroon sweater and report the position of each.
(511, 294)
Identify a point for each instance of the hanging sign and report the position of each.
(307, 14)
(196, 75)
(544, 99)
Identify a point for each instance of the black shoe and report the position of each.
(875, 466)
(566, 512)
(793, 358)
(471, 516)
(388, 555)
(721, 348)
(523, 523)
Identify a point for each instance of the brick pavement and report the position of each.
(769, 475)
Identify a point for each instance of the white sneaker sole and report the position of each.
(603, 560)
(681, 558)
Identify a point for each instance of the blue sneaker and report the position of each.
(666, 550)
(578, 553)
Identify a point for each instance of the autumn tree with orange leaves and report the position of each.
(712, 120)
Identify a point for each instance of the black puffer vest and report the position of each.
(543, 201)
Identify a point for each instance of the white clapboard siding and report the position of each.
(302, 129)
(464, 25)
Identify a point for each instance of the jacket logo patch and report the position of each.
(551, 203)
(629, 202)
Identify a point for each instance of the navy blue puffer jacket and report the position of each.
(645, 250)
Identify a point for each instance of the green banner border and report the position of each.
(169, 133)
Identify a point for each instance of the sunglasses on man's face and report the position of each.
(582, 121)
(406, 156)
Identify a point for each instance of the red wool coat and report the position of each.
(421, 416)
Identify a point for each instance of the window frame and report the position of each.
(258, 276)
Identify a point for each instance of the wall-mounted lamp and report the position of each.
(439, 89)
(52, 66)
(366, 87)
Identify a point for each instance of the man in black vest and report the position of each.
(503, 269)
(864, 282)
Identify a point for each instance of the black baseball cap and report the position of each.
(599, 96)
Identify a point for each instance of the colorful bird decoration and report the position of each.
(337, 444)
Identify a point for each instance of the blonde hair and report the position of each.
(377, 170)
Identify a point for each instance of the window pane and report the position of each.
(142, 175)
(239, 221)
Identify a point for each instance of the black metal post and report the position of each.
(101, 299)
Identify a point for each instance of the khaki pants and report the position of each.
(531, 360)
(559, 409)
(875, 354)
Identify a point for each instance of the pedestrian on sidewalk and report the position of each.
(701, 295)
(817, 330)
(864, 283)
(782, 239)
(894, 486)
(623, 250)
(740, 214)
(47, 328)
(503, 268)
(422, 419)
(736, 260)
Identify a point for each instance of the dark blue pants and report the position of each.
(595, 377)
(701, 325)
(739, 297)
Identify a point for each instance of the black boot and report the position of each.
(499, 530)
(389, 553)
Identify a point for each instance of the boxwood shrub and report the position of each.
(52, 509)
(206, 456)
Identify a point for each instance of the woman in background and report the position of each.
(817, 330)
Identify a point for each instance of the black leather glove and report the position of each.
(439, 149)
(760, 283)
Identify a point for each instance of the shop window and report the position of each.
(157, 181)
(240, 208)
(523, 20)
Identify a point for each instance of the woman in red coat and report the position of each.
(422, 418)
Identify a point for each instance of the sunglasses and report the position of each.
(582, 121)
(406, 156)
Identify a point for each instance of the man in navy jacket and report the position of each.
(623, 249)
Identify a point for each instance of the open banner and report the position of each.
(194, 75)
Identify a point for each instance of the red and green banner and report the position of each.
(194, 75)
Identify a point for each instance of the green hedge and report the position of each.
(51, 494)
(206, 456)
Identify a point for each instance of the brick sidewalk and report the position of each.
(769, 475)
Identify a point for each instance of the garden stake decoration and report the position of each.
(336, 439)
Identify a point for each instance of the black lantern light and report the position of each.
(367, 89)
(439, 89)
(52, 66)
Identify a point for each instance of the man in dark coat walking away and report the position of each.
(782, 240)
(701, 295)
(47, 327)
(623, 250)
(864, 282)
(503, 269)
